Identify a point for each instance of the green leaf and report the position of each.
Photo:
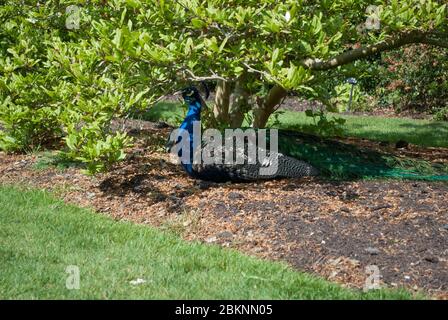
(117, 38)
(197, 23)
(275, 55)
(223, 44)
(123, 16)
(238, 70)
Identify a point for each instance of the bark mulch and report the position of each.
(331, 229)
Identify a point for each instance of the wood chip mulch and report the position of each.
(332, 229)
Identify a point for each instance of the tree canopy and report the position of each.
(128, 54)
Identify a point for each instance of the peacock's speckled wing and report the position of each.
(220, 171)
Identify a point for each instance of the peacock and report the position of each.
(298, 155)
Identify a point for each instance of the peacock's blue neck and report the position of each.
(193, 115)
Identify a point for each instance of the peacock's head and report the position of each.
(191, 95)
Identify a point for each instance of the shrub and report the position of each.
(415, 78)
(341, 98)
(26, 127)
(99, 151)
(67, 86)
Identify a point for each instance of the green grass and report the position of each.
(420, 132)
(170, 112)
(53, 159)
(40, 236)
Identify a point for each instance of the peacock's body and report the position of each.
(298, 155)
(288, 167)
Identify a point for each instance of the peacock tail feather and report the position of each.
(339, 160)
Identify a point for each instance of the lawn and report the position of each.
(40, 236)
(420, 132)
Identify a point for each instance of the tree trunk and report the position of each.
(239, 105)
(265, 107)
(222, 101)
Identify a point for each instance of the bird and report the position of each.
(298, 155)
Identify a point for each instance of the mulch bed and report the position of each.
(332, 229)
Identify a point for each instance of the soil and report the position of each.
(332, 229)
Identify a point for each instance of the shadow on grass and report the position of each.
(305, 128)
(434, 134)
(424, 134)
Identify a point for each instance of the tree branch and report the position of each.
(277, 93)
(390, 44)
(438, 42)
(193, 77)
(263, 73)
